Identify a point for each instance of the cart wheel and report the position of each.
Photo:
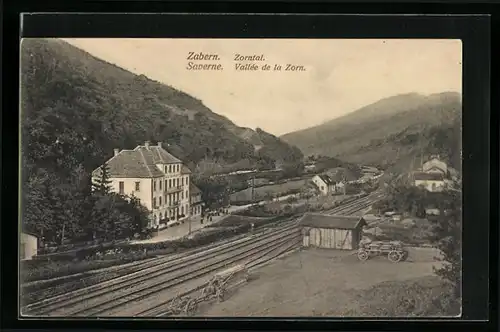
(394, 256)
(191, 308)
(362, 255)
(220, 296)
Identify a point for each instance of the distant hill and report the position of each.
(93, 106)
(395, 131)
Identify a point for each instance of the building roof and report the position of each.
(185, 170)
(30, 234)
(435, 162)
(422, 176)
(138, 163)
(331, 221)
(326, 179)
(193, 190)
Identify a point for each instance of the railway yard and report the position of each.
(183, 284)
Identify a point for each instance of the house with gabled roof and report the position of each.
(435, 165)
(326, 185)
(154, 176)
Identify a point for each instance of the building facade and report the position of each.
(331, 231)
(324, 183)
(28, 246)
(158, 179)
(195, 202)
(433, 182)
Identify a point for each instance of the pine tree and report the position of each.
(102, 184)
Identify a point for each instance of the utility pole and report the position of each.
(253, 186)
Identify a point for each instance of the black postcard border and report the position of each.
(474, 31)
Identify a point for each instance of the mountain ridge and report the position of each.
(378, 132)
(66, 87)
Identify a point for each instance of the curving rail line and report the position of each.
(153, 283)
(79, 301)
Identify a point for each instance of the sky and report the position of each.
(340, 75)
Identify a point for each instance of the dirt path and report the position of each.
(316, 283)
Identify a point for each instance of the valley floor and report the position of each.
(319, 282)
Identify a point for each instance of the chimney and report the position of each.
(117, 151)
(159, 144)
(146, 144)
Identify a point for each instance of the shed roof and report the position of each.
(331, 221)
(30, 234)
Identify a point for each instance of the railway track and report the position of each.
(154, 283)
(356, 205)
(103, 297)
(132, 268)
(272, 251)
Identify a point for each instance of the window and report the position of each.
(137, 186)
(154, 185)
(121, 187)
(159, 198)
(187, 180)
(182, 209)
(161, 216)
(165, 184)
(170, 183)
(182, 195)
(182, 181)
(177, 182)
(166, 169)
(178, 168)
(170, 168)
(154, 203)
(160, 183)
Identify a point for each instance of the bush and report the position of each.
(423, 297)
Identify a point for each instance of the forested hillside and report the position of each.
(75, 109)
(395, 131)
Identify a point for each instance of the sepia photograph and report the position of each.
(182, 178)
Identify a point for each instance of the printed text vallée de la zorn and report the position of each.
(211, 62)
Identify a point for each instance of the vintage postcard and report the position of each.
(241, 178)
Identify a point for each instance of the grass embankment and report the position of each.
(416, 234)
(81, 272)
(423, 297)
(263, 192)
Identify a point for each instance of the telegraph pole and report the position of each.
(253, 186)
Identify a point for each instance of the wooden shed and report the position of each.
(28, 246)
(331, 231)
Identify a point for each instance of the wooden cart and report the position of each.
(394, 250)
(214, 289)
(225, 280)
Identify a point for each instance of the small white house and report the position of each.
(325, 184)
(28, 246)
